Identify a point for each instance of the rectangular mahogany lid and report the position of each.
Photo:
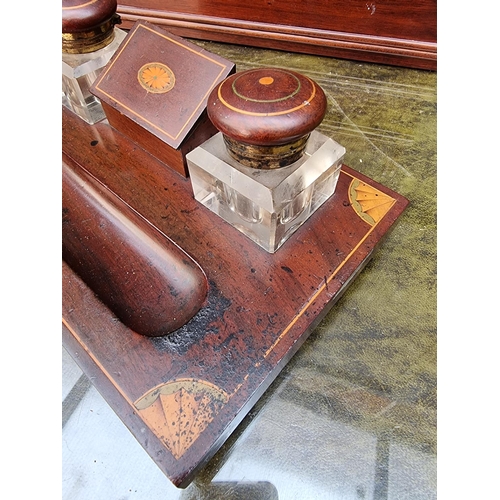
(160, 81)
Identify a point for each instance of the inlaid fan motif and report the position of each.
(368, 202)
(179, 411)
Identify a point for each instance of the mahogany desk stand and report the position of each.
(182, 395)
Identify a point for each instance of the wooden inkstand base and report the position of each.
(182, 394)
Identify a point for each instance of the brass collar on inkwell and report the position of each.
(88, 26)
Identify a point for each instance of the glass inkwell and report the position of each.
(89, 39)
(267, 170)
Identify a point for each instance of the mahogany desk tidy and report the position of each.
(183, 394)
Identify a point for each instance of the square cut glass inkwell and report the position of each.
(266, 205)
(267, 190)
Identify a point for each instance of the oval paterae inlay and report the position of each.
(156, 78)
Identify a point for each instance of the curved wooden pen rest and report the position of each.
(146, 280)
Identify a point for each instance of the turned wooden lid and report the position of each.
(87, 25)
(266, 115)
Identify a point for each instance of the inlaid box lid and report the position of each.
(160, 81)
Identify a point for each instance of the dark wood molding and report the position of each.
(407, 49)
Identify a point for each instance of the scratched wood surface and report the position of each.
(182, 395)
(148, 282)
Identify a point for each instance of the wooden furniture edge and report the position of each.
(376, 49)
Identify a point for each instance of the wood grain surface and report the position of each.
(151, 285)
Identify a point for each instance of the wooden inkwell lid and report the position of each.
(88, 26)
(266, 115)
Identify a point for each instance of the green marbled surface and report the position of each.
(353, 414)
